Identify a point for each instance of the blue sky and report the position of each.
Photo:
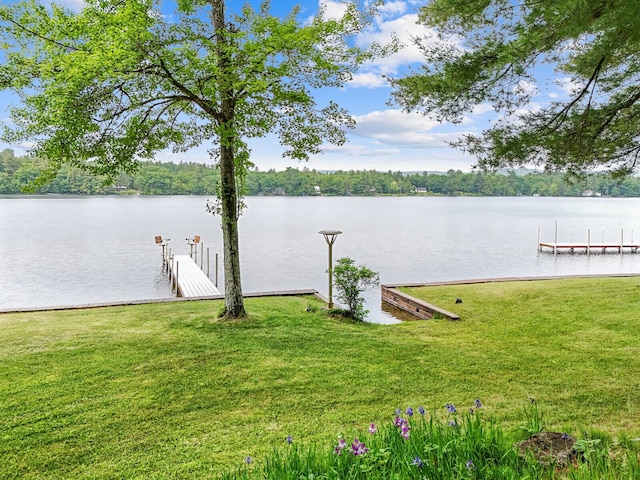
(385, 138)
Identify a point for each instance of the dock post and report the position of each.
(216, 269)
(589, 241)
(621, 239)
(208, 276)
(177, 291)
(555, 242)
(539, 246)
(572, 250)
(166, 259)
(201, 254)
(171, 272)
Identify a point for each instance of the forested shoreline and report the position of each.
(165, 178)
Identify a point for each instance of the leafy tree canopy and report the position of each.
(505, 52)
(118, 81)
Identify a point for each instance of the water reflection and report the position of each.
(395, 314)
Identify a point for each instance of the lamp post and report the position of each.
(330, 237)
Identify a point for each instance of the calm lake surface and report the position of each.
(65, 250)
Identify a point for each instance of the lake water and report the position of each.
(64, 250)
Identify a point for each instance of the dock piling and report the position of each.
(176, 277)
(621, 240)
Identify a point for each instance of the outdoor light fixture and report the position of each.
(330, 237)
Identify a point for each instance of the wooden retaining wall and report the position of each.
(414, 306)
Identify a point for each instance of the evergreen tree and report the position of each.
(497, 51)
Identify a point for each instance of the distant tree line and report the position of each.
(156, 178)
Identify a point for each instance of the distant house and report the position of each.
(591, 193)
(420, 190)
(316, 190)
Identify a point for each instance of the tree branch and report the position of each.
(565, 110)
(35, 34)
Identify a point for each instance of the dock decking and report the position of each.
(191, 281)
(618, 246)
(589, 247)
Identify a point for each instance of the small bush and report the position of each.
(351, 282)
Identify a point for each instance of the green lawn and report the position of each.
(168, 391)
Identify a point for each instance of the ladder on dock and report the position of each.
(190, 281)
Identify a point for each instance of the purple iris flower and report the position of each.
(358, 448)
(341, 446)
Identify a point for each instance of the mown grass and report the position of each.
(168, 391)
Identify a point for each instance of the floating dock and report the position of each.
(190, 281)
(589, 246)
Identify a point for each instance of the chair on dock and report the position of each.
(193, 242)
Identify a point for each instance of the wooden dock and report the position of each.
(619, 246)
(589, 247)
(190, 281)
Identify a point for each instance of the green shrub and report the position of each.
(351, 282)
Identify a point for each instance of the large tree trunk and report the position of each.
(234, 302)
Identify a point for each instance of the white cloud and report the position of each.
(569, 85)
(332, 10)
(532, 107)
(405, 28)
(526, 88)
(392, 121)
(482, 108)
(75, 5)
(359, 150)
(393, 8)
(394, 127)
(370, 80)
(477, 111)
